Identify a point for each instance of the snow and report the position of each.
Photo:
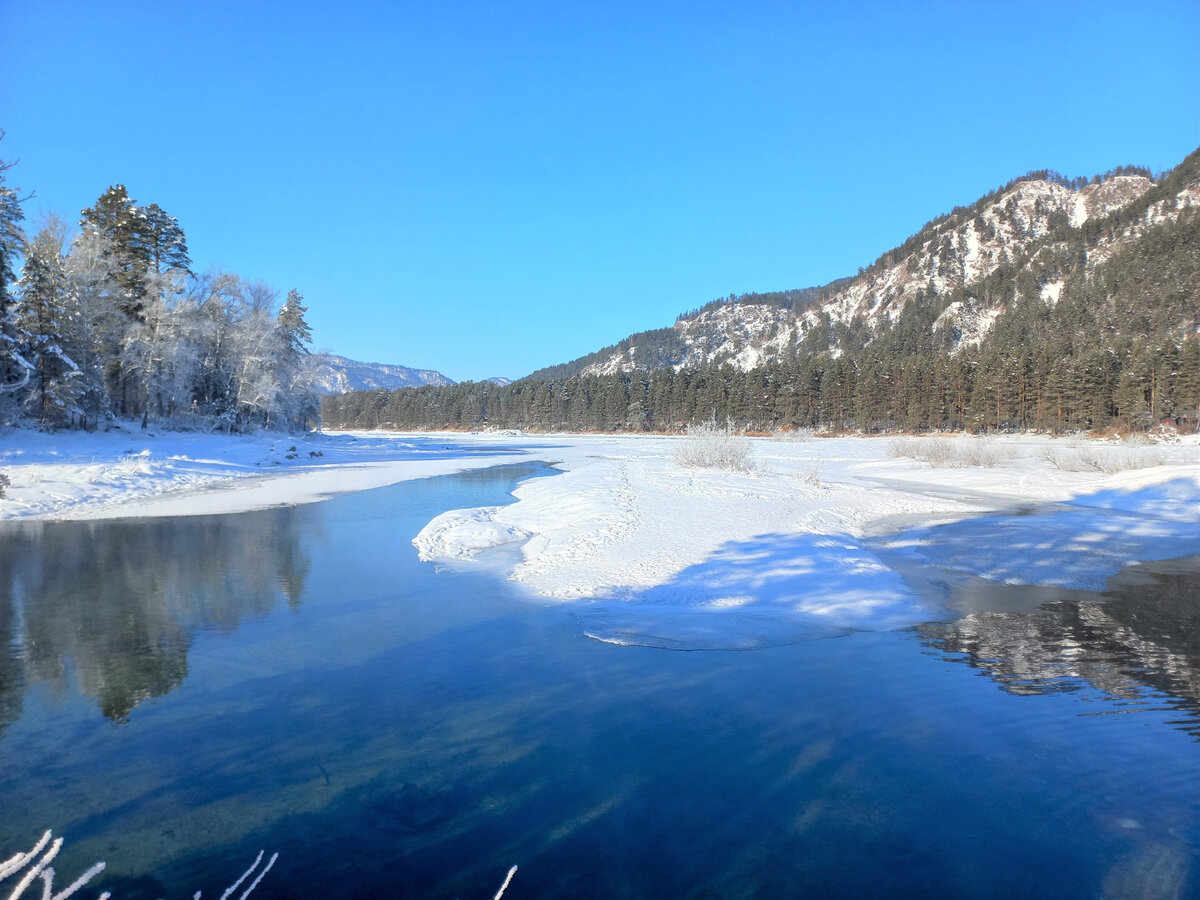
(127, 472)
(1051, 291)
(649, 552)
(687, 558)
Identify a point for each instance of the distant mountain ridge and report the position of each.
(1032, 225)
(1050, 303)
(338, 375)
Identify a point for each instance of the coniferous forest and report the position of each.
(1119, 347)
(113, 323)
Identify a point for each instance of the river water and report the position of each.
(177, 694)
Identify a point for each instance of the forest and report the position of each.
(1119, 348)
(106, 320)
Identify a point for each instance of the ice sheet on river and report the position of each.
(1079, 544)
(773, 590)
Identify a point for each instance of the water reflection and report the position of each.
(113, 606)
(1138, 641)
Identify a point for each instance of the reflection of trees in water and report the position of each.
(1143, 632)
(121, 599)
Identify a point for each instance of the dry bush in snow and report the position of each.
(711, 446)
(4, 483)
(812, 476)
(794, 435)
(945, 453)
(1107, 460)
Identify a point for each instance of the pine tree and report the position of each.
(166, 243)
(14, 369)
(58, 384)
(115, 218)
(302, 405)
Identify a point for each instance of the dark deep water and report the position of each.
(177, 694)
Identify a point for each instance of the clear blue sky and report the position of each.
(486, 188)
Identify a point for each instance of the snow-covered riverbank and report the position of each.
(75, 475)
(626, 522)
(794, 545)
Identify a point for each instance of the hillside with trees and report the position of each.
(112, 323)
(1051, 303)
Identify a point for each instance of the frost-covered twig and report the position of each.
(504, 887)
(40, 868)
(233, 887)
(35, 868)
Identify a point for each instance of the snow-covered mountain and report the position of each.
(1038, 229)
(337, 375)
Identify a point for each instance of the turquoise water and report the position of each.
(176, 695)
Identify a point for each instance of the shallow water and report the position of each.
(177, 694)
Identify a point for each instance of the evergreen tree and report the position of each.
(14, 369)
(166, 243)
(302, 403)
(126, 231)
(57, 386)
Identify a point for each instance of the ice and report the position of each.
(1078, 545)
(776, 589)
(652, 553)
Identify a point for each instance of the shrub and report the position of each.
(4, 483)
(1106, 460)
(711, 446)
(943, 453)
(794, 435)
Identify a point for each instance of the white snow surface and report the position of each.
(654, 553)
(128, 472)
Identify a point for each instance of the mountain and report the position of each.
(337, 375)
(1034, 228)
(1050, 303)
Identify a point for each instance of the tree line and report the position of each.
(1121, 346)
(111, 322)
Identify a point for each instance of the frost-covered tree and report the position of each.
(165, 241)
(98, 328)
(124, 227)
(299, 399)
(214, 299)
(57, 384)
(160, 351)
(14, 369)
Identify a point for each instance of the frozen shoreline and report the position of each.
(626, 525)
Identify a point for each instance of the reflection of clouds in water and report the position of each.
(776, 589)
(120, 600)
(1075, 545)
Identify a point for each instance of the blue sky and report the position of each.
(486, 188)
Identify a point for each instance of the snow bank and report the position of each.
(692, 558)
(128, 472)
(654, 553)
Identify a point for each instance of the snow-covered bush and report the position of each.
(1106, 460)
(4, 483)
(795, 435)
(944, 453)
(812, 475)
(712, 446)
(134, 463)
